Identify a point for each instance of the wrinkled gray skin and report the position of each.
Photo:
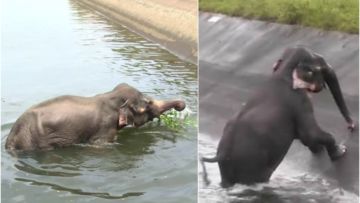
(256, 140)
(68, 120)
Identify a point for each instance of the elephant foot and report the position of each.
(316, 149)
(339, 151)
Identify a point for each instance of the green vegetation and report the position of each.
(341, 15)
(174, 121)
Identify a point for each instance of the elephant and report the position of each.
(67, 120)
(256, 139)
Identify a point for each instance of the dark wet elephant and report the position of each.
(67, 120)
(256, 140)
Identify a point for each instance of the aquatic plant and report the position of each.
(177, 120)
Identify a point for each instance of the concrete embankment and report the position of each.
(171, 23)
(236, 56)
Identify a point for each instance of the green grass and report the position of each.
(341, 15)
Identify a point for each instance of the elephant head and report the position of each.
(137, 109)
(308, 70)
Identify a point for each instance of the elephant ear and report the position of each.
(122, 118)
(123, 115)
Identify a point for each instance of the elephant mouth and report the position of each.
(313, 88)
(136, 125)
(122, 126)
(314, 91)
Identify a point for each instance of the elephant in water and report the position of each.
(256, 140)
(68, 120)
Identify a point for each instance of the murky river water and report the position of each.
(52, 48)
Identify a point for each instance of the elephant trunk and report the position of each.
(162, 106)
(333, 84)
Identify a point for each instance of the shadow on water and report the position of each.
(79, 191)
(277, 195)
(266, 195)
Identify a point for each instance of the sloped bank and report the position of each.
(172, 24)
(237, 55)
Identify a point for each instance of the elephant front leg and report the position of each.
(312, 136)
(325, 139)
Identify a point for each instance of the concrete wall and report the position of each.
(171, 23)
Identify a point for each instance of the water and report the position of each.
(52, 48)
(288, 184)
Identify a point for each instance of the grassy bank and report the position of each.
(341, 15)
